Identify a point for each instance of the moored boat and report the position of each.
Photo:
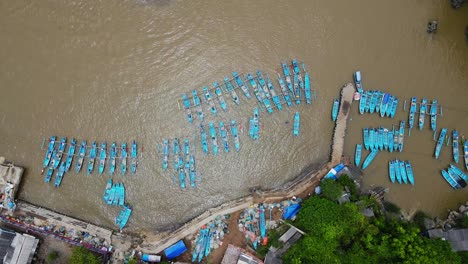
(102, 157)
(204, 139)
(457, 177)
(133, 157)
(389, 110)
(231, 90)
(81, 156)
(369, 158)
(357, 155)
(394, 107)
(296, 125)
(373, 101)
(274, 96)
(391, 170)
(219, 94)
(369, 95)
(307, 85)
(357, 81)
(70, 154)
(404, 177)
(336, 105)
(235, 134)
(381, 138)
(176, 151)
(165, 154)
(50, 150)
(181, 175)
(262, 83)
(59, 153)
(385, 139)
(297, 89)
(209, 99)
(412, 112)
(241, 84)
(401, 135)
(254, 85)
(186, 147)
(371, 139)
(440, 142)
(459, 172)
(284, 90)
(465, 151)
(434, 115)
(188, 112)
(384, 104)
(112, 158)
(105, 197)
(60, 173)
(192, 172)
(450, 180)
(422, 113)
(362, 103)
(287, 76)
(390, 140)
(256, 124)
(123, 159)
(214, 140)
(396, 165)
(126, 212)
(197, 104)
(224, 137)
(92, 157)
(409, 172)
(366, 138)
(455, 147)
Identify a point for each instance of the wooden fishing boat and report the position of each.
(81, 156)
(412, 112)
(186, 104)
(192, 172)
(385, 139)
(297, 120)
(165, 154)
(357, 155)
(455, 147)
(176, 151)
(462, 182)
(396, 139)
(197, 104)
(402, 136)
(450, 180)
(224, 136)
(379, 100)
(105, 197)
(111, 197)
(181, 175)
(214, 140)
(59, 153)
(186, 147)
(396, 165)
(112, 158)
(422, 113)
(262, 83)
(254, 85)
(121, 195)
(219, 94)
(209, 99)
(240, 83)
(404, 177)
(60, 173)
(390, 140)
(459, 172)
(274, 96)
(369, 96)
(70, 154)
(204, 139)
(440, 142)
(133, 157)
(284, 90)
(92, 157)
(287, 76)
(394, 107)
(102, 157)
(256, 124)
(231, 90)
(126, 212)
(369, 159)
(297, 90)
(235, 134)
(357, 81)
(336, 106)
(307, 86)
(251, 128)
(371, 139)
(465, 151)
(264, 98)
(391, 170)
(50, 150)
(366, 138)
(362, 103)
(123, 159)
(384, 104)
(373, 101)
(409, 172)
(434, 115)
(381, 138)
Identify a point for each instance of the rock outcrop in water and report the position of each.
(456, 3)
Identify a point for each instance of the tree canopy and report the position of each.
(81, 255)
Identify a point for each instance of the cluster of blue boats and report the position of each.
(454, 140)
(294, 87)
(203, 243)
(401, 171)
(384, 139)
(114, 194)
(53, 158)
(184, 161)
(455, 177)
(424, 109)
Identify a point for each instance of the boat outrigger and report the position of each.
(204, 138)
(455, 145)
(92, 157)
(235, 134)
(434, 115)
(422, 113)
(123, 164)
(197, 104)
(240, 83)
(50, 150)
(336, 105)
(224, 137)
(70, 154)
(188, 112)
(219, 94)
(102, 157)
(230, 89)
(112, 158)
(214, 140)
(81, 156)
(440, 142)
(357, 155)
(209, 99)
(133, 157)
(296, 125)
(165, 154)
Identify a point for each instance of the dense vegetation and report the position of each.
(81, 255)
(341, 234)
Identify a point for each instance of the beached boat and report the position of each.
(297, 89)
(165, 154)
(176, 152)
(209, 99)
(384, 104)
(197, 104)
(235, 134)
(186, 147)
(357, 81)
(60, 173)
(366, 138)
(391, 170)
(59, 153)
(262, 222)
(123, 161)
(409, 172)
(434, 115)
(102, 157)
(70, 154)
(440, 142)
(362, 103)
(112, 158)
(284, 90)
(198, 244)
(204, 139)
(274, 96)
(357, 155)
(307, 91)
(251, 128)
(296, 126)
(262, 83)
(422, 113)
(404, 177)
(122, 222)
(401, 135)
(254, 85)
(369, 158)
(192, 172)
(455, 147)
(287, 77)
(336, 106)
(133, 157)
(465, 153)
(412, 112)
(81, 156)
(390, 140)
(208, 241)
(188, 112)
(111, 196)
(50, 150)
(214, 140)
(92, 157)
(181, 175)
(231, 90)
(450, 180)
(240, 83)
(219, 94)
(121, 195)
(224, 136)
(105, 197)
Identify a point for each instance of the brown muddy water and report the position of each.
(113, 71)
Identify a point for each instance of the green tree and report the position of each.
(331, 189)
(132, 260)
(345, 181)
(80, 255)
(52, 256)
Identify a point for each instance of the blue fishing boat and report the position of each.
(59, 153)
(336, 106)
(381, 138)
(274, 96)
(390, 140)
(379, 100)
(181, 175)
(92, 157)
(224, 136)
(384, 104)
(297, 120)
(262, 222)
(412, 112)
(362, 103)
(409, 172)
(198, 244)
(186, 147)
(307, 85)
(396, 165)
(385, 139)
(357, 155)
(102, 157)
(284, 90)
(209, 99)
(373, 101)
(219, 94)
(457, 177)
(192, 172)
(369, 158)
(371, 139)
(287, 77)
(394, 107)
(176, 151)
(70, 154)
(165, 154)
(231, 90)
(115, 194)
(111, 197)
(112, 158)
(422, 113)
(60, 173)
(455, 145)
(197, 104)
(122, 222)
(396, 139)
(366, 138)
(123, 161)
(369, 96)
(251, 128)
(105, 197)
(81, 156)
(256, 124)
(204, 139)
(450, 180)
(391, 170)
(264, 93)
(133, 157)
(188, 112)
(404, 177)
(262, 83)
(214, 140)
(389, 108)
(122, 195)
(240, 83)
(207, 245)
(235, 134)
(440, 142)
(357, 81)
(433, 113)
(297, 90)
(401, 135)
(465, 153)
(254, 85)
(50, 150)
(459, 172)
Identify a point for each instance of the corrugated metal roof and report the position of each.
(458, 238)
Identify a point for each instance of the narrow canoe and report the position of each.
(402, 136)
(336, 105)
(440, 142)
(357, 155)
(369, 158)
(214, 140)
(60, 173)
(262, 222)
(297, 90)
(422, 113)
(412, 112)
(204, 139)
(307, 85)
(192, 172)
(165, 154)
(186, 104)
(224, 137)
(186, 147)
(256, 124)
(133, 156)
(176, 151)
(396, 139)
(381, 138)
(107, 190)
(296, 125)
(371, 139)
(434, 115)
(455, 147)
(385, 139)
(235, 135)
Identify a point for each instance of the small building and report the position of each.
(236, 255)
(16, 248)
(289, 238)
(458, 238)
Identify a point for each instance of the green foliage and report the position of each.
(273, 236)
(391, 207)
(418, 219)
(81, 255)
(463, 222)
(52, 256)
(331, 190)
(132, 260)
(463, 256)
(345, 181)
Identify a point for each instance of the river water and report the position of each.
(113, 71)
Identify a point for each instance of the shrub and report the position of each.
(52, 256)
